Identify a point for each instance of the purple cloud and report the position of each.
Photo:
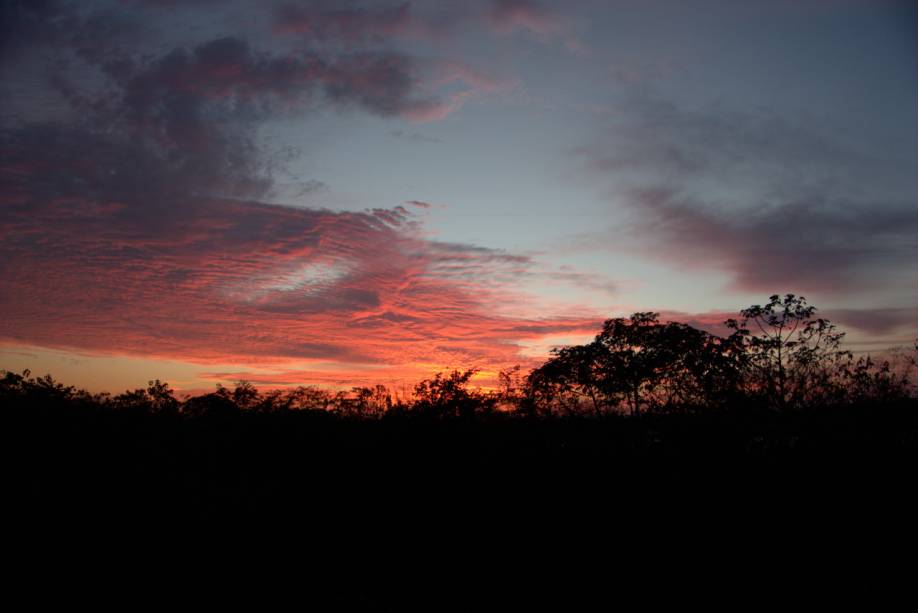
(773, 203)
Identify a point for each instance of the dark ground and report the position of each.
(415, 513)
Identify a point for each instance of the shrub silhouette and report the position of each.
(449, 396)
(778, 355)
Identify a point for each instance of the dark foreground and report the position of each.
(408, 494)
(248, 464)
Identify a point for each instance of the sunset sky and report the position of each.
(345, 193)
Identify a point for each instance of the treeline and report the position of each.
(778, 356)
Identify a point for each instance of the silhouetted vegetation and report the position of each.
(651, 421)
(778, 356)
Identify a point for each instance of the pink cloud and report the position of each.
(451, 74)
(250, 283)
(447, 72)
(426, 112)
(509, 15)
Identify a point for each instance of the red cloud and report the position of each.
(258, 284)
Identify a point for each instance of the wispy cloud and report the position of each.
(248, 282)
(414, 136)
(505, 16)
(770, 201)
(508, 16)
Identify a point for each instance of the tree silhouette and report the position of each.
(449, 396)
(244, 395)
(215, 405)
(633, 358)
(661, 365)
(511, 388)
(639, 363)
(161, 397)
(568, 380)
(694, 367)
(792, 355)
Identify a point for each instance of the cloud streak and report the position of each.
(263, 284)
(505, 16)
(769, 201)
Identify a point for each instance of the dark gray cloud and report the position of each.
(414, 136)
(90, 30)
(829, 246)
(879, 321)
(773, 201)
(27, 22)
(349, 22)
(153, 129)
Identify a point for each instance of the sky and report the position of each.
(350, 193)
